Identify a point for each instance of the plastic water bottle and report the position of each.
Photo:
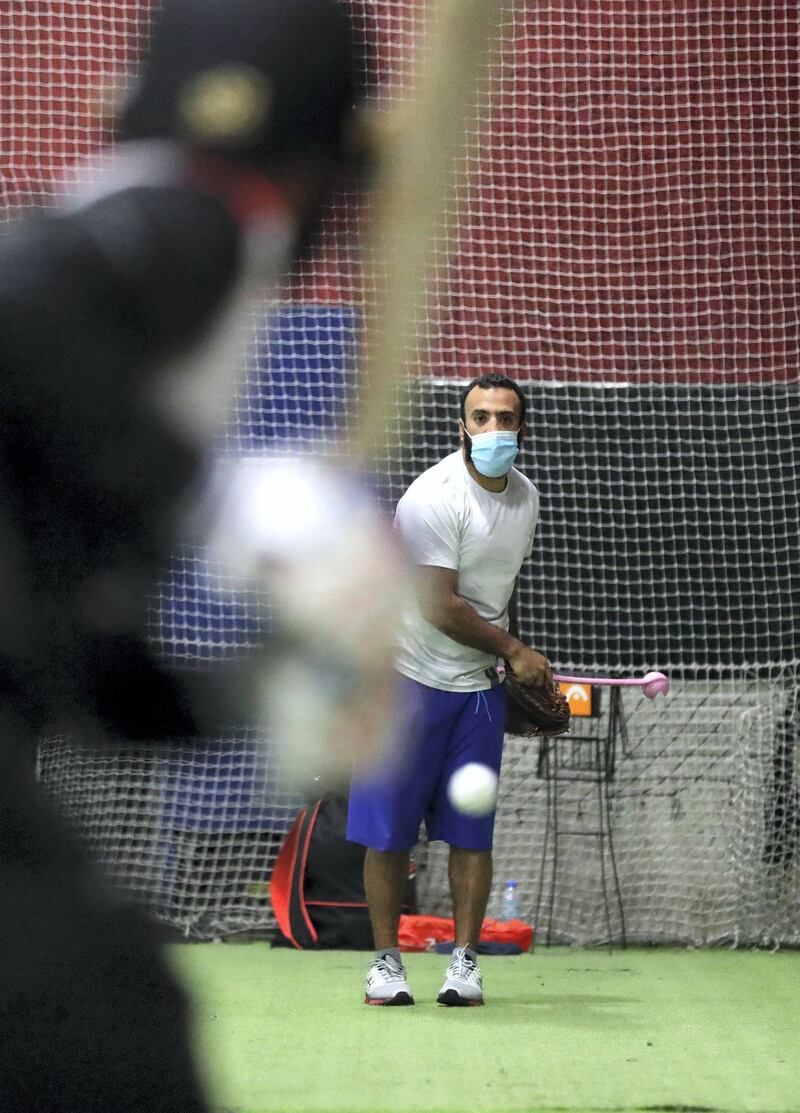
(509, 905)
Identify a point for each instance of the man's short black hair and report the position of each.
(493, 381)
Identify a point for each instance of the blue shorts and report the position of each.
(445, 730)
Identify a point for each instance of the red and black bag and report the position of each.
(317, 886)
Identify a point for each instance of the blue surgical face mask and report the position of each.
(493, 453)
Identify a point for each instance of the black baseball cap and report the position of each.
(260, 81)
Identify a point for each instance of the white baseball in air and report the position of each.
(472, 789)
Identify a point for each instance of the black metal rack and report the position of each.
(590, 759)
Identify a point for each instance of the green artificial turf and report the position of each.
(287, 1032)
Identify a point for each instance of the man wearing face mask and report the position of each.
(468, 523)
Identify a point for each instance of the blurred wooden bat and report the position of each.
(417, 162)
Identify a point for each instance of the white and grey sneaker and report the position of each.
(386, 982)
(463, 983)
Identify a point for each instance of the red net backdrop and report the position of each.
(632, 207)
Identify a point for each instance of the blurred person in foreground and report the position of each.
(469, 523)
(119, 326)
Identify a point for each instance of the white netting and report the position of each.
(700, 853)
(624, 241)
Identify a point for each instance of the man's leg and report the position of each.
(477, 736)
(385, 877)
(385, 812)
(385, 880)
(470, 873)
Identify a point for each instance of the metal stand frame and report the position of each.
(567, 759)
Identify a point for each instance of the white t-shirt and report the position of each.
(447, 520)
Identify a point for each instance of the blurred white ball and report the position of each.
(472, 789)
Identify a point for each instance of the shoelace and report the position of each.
(462, 966)
(391, 971)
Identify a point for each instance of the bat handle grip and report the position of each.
(617, 682)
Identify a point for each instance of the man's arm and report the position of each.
(443, 607)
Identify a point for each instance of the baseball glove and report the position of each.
(535, 710)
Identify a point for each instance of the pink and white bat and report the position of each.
(652, 683)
